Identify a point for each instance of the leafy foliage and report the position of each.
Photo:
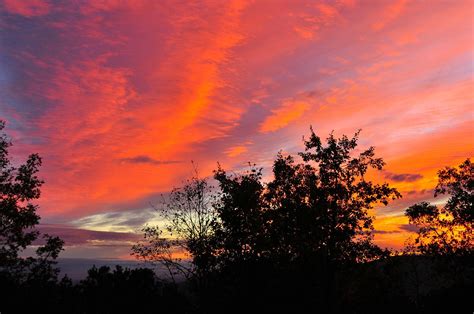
(243, 220)
(448, 229)
(317, 207)
(19, 186)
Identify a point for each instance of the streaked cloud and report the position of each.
(27, 8)
(119, 96)
(143, 159)
(128, 221)
(283, 116)
(392, 11)
(236, 150)
(78, 237)
(399, 177)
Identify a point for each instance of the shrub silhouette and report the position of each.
(124, 290)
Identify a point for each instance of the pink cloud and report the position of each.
(119, 96)
(27, 8)
(392, 11)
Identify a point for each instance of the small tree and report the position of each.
(19, 186)
(190, 226)
(448, 229)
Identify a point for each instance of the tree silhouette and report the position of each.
(448, 229)
(342, 196)
(304, 239)
(243, 221)
(315, 212)
(190, 225)
(319, 205)
(30, 278)
(19, 186)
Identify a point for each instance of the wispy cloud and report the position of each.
(114, 95)
(284, 115)
(403, 177)
(75, 236)
(27, 8)
(143, 159)
(392, 11)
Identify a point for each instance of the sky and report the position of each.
(118, 97)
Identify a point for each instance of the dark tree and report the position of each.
(317, 206)
(191, 222)
(341, 196)
(448, 229)
(19, 187)
(242, 234)
(313, 217)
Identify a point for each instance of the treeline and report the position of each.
(302, 242)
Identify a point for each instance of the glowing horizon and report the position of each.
(119, 96)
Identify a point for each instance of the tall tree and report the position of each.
(19, 187)
(341, 196)
(318, 206)
(312, 217)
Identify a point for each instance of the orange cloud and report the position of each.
(391, 231)
(118, 97)
(283, 116)
(236, 150)
(304, 32)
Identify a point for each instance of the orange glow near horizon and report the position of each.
(119, 96)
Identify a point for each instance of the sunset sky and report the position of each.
(119, 96)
